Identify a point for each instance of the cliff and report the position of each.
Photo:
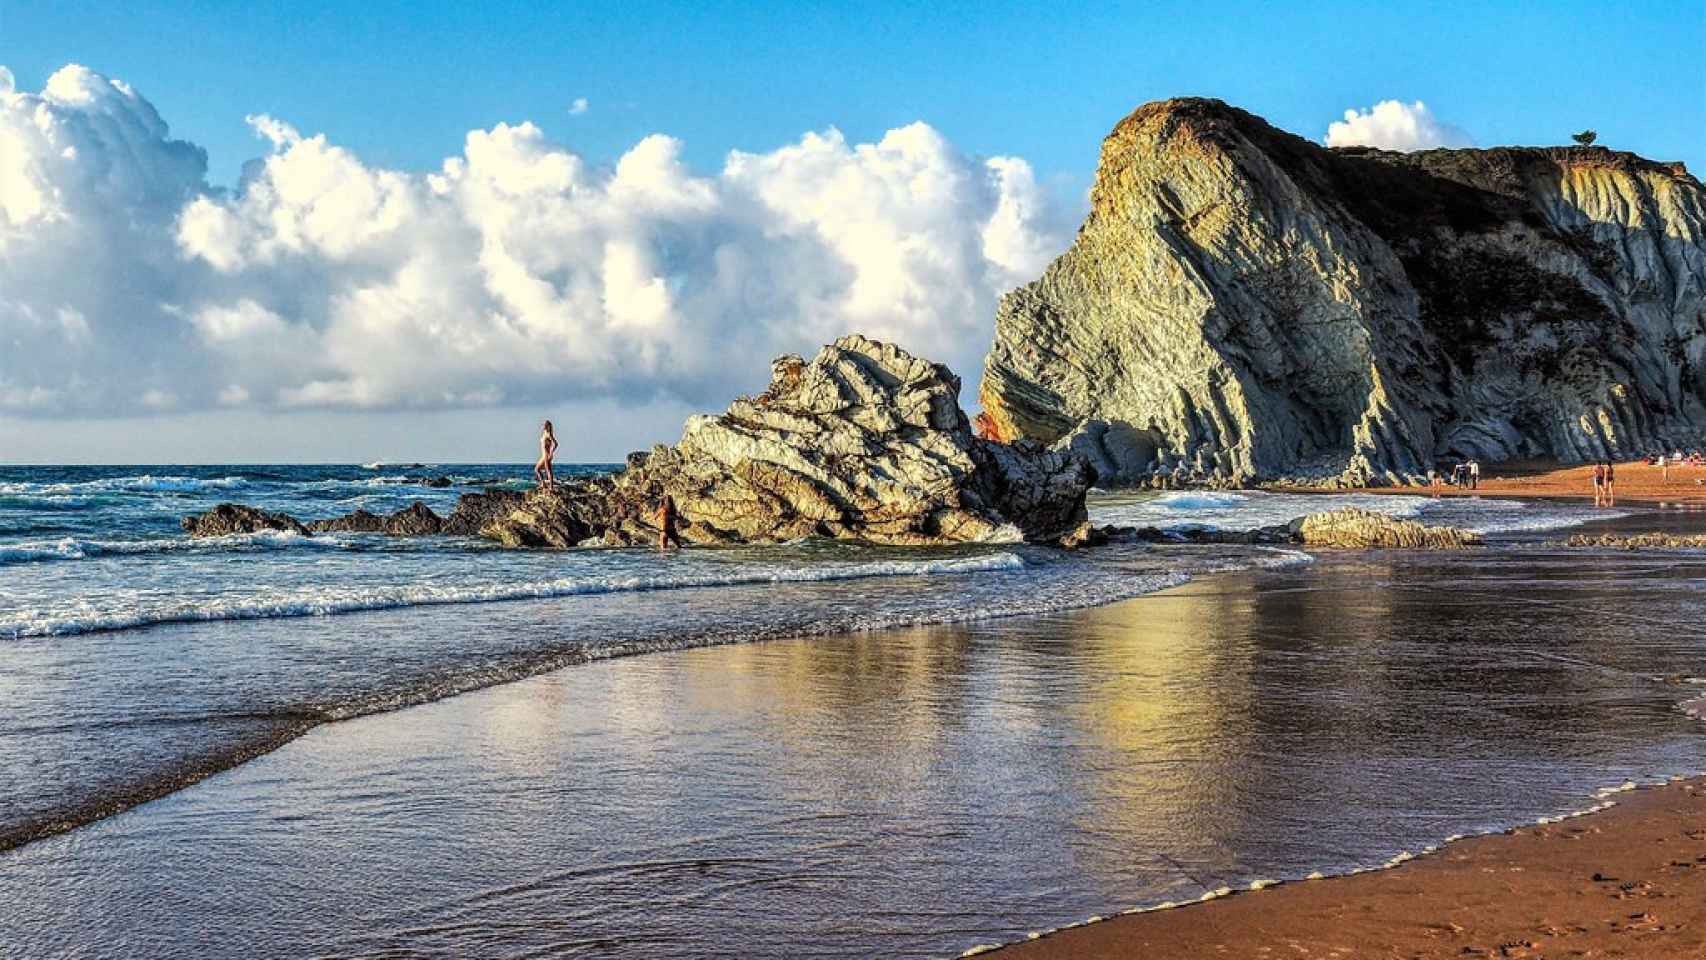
(1244, 305)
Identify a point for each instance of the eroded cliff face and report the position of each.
(1244, 305)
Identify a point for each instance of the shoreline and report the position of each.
(1627, 873)
(520, 666)
(752, 692)
(1636, 483)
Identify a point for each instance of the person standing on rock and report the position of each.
(666, 524)
(542, 472)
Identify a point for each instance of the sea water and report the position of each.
(137, 661)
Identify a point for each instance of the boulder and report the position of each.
(229, 518)
(1352, 528)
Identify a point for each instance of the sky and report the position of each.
(356, 231)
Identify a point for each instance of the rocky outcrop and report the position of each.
(865, 442)
(1640, 541)
(416, 519)
(1351, 528)
(229, 518)
(1243, 305)
(1347, 528)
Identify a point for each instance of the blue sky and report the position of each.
(402, 83)
(352, 309)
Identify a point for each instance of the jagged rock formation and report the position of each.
(229, 518)
(1351, 528)
(865, 442)
(1244, 305)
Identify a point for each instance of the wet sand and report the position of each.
(917, 792)
(1625, 882)
(1637, 482)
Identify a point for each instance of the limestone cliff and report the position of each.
(1242, 305)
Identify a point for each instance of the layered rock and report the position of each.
(865, 442)
(1244, 305)
(1351, 528)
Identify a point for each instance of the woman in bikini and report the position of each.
(542, 472)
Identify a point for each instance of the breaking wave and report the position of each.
(332, 599)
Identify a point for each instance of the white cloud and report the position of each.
(516, 273)
(1395, 125)
(578, 107)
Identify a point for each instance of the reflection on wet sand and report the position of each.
(913, 792)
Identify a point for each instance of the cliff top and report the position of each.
(1397, 194)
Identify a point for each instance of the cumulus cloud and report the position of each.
(515, 273)
(1395, 125)
(578, 107)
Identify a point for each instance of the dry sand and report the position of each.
(1636, 482)
(1626, 882)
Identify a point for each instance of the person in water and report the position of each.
(542, 472)
(666, 524)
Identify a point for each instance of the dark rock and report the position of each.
(360, 521)
(476, 510)
(229, 518)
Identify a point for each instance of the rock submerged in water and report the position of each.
(230, 518)
(1640, 541)
(865, 442)
(1347, 528)
(1365, 529)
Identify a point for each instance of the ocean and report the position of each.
(137, 662)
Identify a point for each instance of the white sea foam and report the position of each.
(75, 548)
(329, 599)
(144, 483)
(1250, 509)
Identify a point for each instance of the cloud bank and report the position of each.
(515, 273)
(1395, 125)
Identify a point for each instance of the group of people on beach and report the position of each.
(1463, 473)
(1675, 459)
(546, 477)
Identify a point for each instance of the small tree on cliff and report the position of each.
(1585, 138)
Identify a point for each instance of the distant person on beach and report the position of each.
(1599, 484)
(666, 524)
(1474, 474)
(542, 472)
(1610, 484)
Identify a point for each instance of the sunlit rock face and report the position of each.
(1242, 304)
(865, 442)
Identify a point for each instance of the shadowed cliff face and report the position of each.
(1242, 304)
